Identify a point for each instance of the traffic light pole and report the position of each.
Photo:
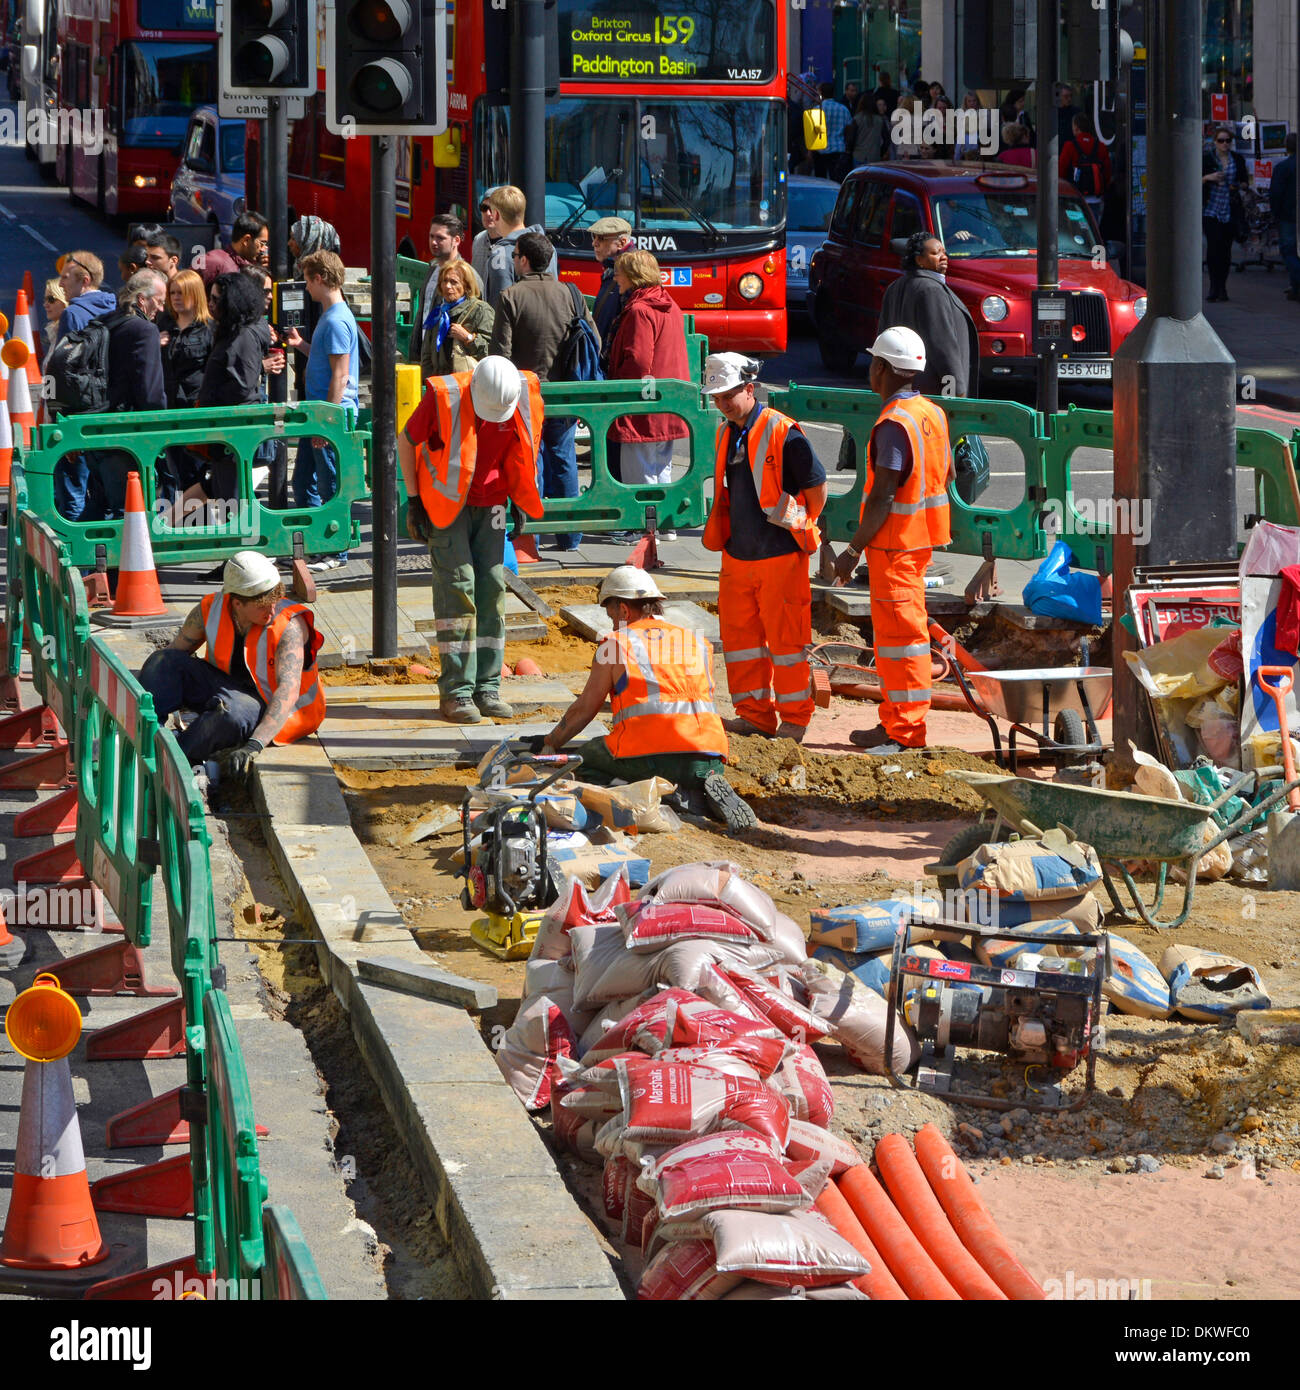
(528, 106)
(1049, 258)
(276, 139)
(1175, 413)
(383, 389)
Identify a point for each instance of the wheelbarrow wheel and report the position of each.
(962, 845)
(1068, 729)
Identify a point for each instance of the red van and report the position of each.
(986, 217)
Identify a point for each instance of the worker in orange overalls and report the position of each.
(768, 491)
(904, 516)
(468, 457)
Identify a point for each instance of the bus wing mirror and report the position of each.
(31, 61)
(814, 129)
(446, 149)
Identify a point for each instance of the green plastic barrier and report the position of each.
(116, 816)
(58, 621)
(1082, 525)
(289, 1271)
(238, 1187)
(414, 273)
(1267, 453)
(245, 522)
(14, 614)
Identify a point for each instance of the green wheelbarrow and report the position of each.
(1121, 826)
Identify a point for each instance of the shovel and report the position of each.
(1283, 826)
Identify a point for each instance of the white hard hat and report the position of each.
(901, 348)
(628, 582)
(247, 574)
(495, 389)
(724, 371)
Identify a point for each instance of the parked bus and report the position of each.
(671, 114)
(146, 64)
(38, 77)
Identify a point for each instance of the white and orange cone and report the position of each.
(6, 429)
(51, 1222)
(23, 332)
(139, 594)
(15, 355)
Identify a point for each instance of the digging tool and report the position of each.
(1283, 826)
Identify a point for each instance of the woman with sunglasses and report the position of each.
(55, 303)
(1223, 218)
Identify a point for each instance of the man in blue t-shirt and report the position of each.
(333, 369)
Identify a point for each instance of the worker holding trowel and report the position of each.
(658, 679)
(904, 516)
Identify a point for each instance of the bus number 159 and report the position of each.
(674, 28)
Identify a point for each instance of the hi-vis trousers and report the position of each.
(902, 641)
(765, 617)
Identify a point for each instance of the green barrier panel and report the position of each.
(58, 622)
(413, 273)
(289, 1271)
(116, 816)
(238, 1187)
(1082, 523)
(245, 523)
(1267, 453)
(14, 615)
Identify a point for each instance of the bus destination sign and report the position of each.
(642, 42)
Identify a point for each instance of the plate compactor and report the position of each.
(1042, 1011)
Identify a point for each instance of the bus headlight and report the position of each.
(145, 181)
(1140, 307)
(994, 308)
(750, 286)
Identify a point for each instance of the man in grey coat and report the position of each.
(502, 211)
(921, 300)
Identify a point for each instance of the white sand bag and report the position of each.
(1032, 870)
(1134, 985)
(858, 1019)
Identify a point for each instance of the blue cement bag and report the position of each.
(1058, 592)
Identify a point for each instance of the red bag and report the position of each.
(651, 928)
(684, 1270)
(722, 1170)
(795, 1021)
(695, 1022)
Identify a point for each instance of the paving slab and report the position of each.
(591, 621)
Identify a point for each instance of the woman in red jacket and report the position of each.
(649, 341)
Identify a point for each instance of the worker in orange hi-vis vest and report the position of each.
(469, 461)
(904, 516)
(256, 684)
(768, 491)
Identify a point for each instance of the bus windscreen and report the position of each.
(671, 41)
(165, 15)
(163, 83)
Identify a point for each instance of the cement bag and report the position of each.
(809, 1143)
(714, 986)
(670, 1104)
(1134, 985)
(736, 1170)
(857, 1018)
(796, 1022)
(864, 928)
(650, 928)
(800, 1249)
(1032, 870)
(643, 1029)
(694, 1022)
(1210, 987)
(1085, 912)
(684, 1271)
(605, 1019)
(723, 884)
(870, 970)
(714, 1058)
(751, 1292)
(576, 907)
(992, 950)
(636, 805)
(802, 1080)
(593, 863)
(528, 1051)
(541, 976)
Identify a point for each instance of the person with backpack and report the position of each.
(545, 327)
(493, 250)
(1085, 162)
(649, 342)
(81, 276)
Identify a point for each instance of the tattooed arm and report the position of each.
(191, 636)
(289, 655)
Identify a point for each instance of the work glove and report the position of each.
(418, 525)
(535, 743)
(238, 762)
(516, 523)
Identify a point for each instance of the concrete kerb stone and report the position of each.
(503, 1206)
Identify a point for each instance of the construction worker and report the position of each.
(469, 461)
(904, 516)
(256, 684)
(658, 679)
(768, 491)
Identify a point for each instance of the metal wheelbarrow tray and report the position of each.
(1122, 826)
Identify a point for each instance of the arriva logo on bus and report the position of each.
(78, 129)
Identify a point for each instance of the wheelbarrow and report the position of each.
(1121, 826)
(1056, 698)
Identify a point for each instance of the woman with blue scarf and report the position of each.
(459, 323)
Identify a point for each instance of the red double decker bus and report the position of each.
(144, 65)
(671, 114)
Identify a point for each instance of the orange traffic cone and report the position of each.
(14, 354)
(138, 592)
(12, 949)
(6, 429)
(51, 1223)
(23, 332)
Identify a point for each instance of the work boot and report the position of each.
(491, 705)
(724, 803)
(737, 725)
(869, 738)
(798, 732)
(459, 711)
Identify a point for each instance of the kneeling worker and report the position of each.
(256, 684)
(468, 457)
(658, 679)
(904, 516)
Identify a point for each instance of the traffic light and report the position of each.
(268, 47)
(386, 67)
